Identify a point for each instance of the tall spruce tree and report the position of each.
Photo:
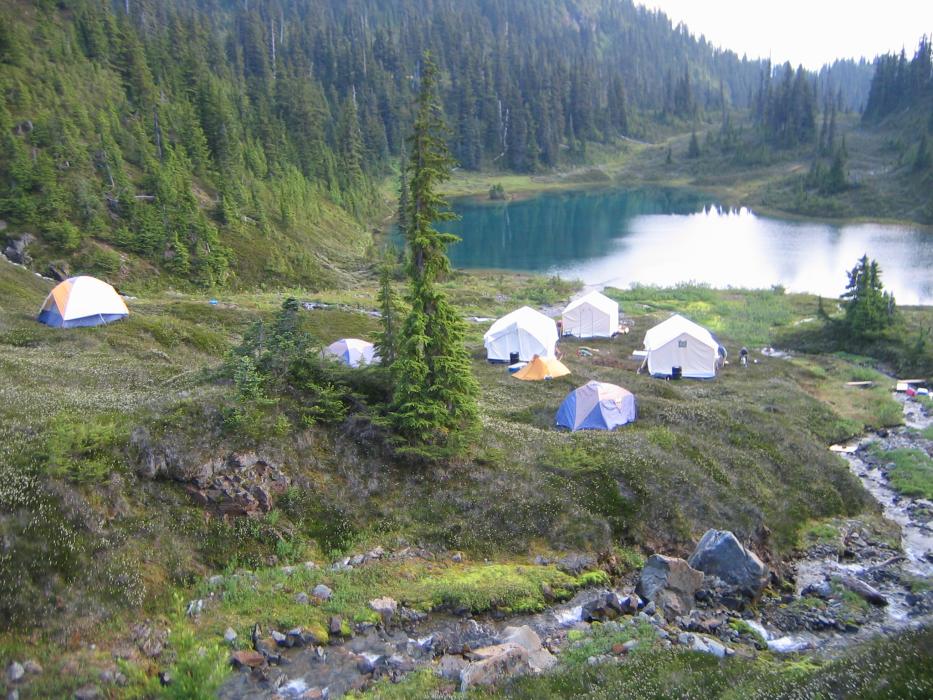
(434, 407)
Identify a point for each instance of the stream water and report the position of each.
(377, 652)
(914, 516)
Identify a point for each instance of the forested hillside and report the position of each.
(222, 142)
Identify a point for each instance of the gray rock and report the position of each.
(322, 592)
(631, 603)
(112, 676)
(15, 249)
(397, 662)
(33, 667)
(386, 608)
(539, 658)
(13, 695)
(604, 607)
(706, 645)
(495, 663)
(818, 590)
(365, 665)
(310, 565)
(302, 598)
(629, 645)
(279, 638)
(15, 672)
(450, 667)
(87, 692)
(575, 564)
(215, 580)
(670, 583)
(295, 637)
(230, 635)
(719, 553)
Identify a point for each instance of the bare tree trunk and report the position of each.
(158, 135)
(272, 39)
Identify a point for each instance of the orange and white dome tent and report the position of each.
(82, 301)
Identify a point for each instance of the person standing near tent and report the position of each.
(743, 356)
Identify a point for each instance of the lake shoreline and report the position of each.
(478, 193)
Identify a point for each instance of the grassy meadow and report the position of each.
(95, 548)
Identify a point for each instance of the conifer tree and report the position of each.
(388, 339)
(693, 150)
(869, 309)
(434, 405)
(922, 159)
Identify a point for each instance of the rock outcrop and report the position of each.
(15, 249)
(235, 483)
(720, 554)
(670, 583)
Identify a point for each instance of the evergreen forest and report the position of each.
(214, 142)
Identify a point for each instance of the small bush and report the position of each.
(82, 449)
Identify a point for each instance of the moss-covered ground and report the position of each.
(888, 668)
(90, 548)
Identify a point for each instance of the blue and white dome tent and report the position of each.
(353, 352)
(597, 406)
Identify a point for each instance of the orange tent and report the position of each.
(542, 368)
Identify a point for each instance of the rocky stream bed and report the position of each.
(834, 595)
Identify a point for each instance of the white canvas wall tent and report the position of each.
(681, 343)
(592, 316)
(524, 332)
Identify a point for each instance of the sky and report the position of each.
(808, 32)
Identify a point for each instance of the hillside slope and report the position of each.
(207, 142)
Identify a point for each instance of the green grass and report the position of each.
(819, 532)
(744, 450)
(268, 597)
(913, 471)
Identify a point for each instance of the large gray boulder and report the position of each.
(720, 554)
(670, 583)
(494, 664)
(539, 658)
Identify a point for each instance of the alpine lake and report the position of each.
(664, 237)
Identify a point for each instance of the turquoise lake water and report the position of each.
(664, 237)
